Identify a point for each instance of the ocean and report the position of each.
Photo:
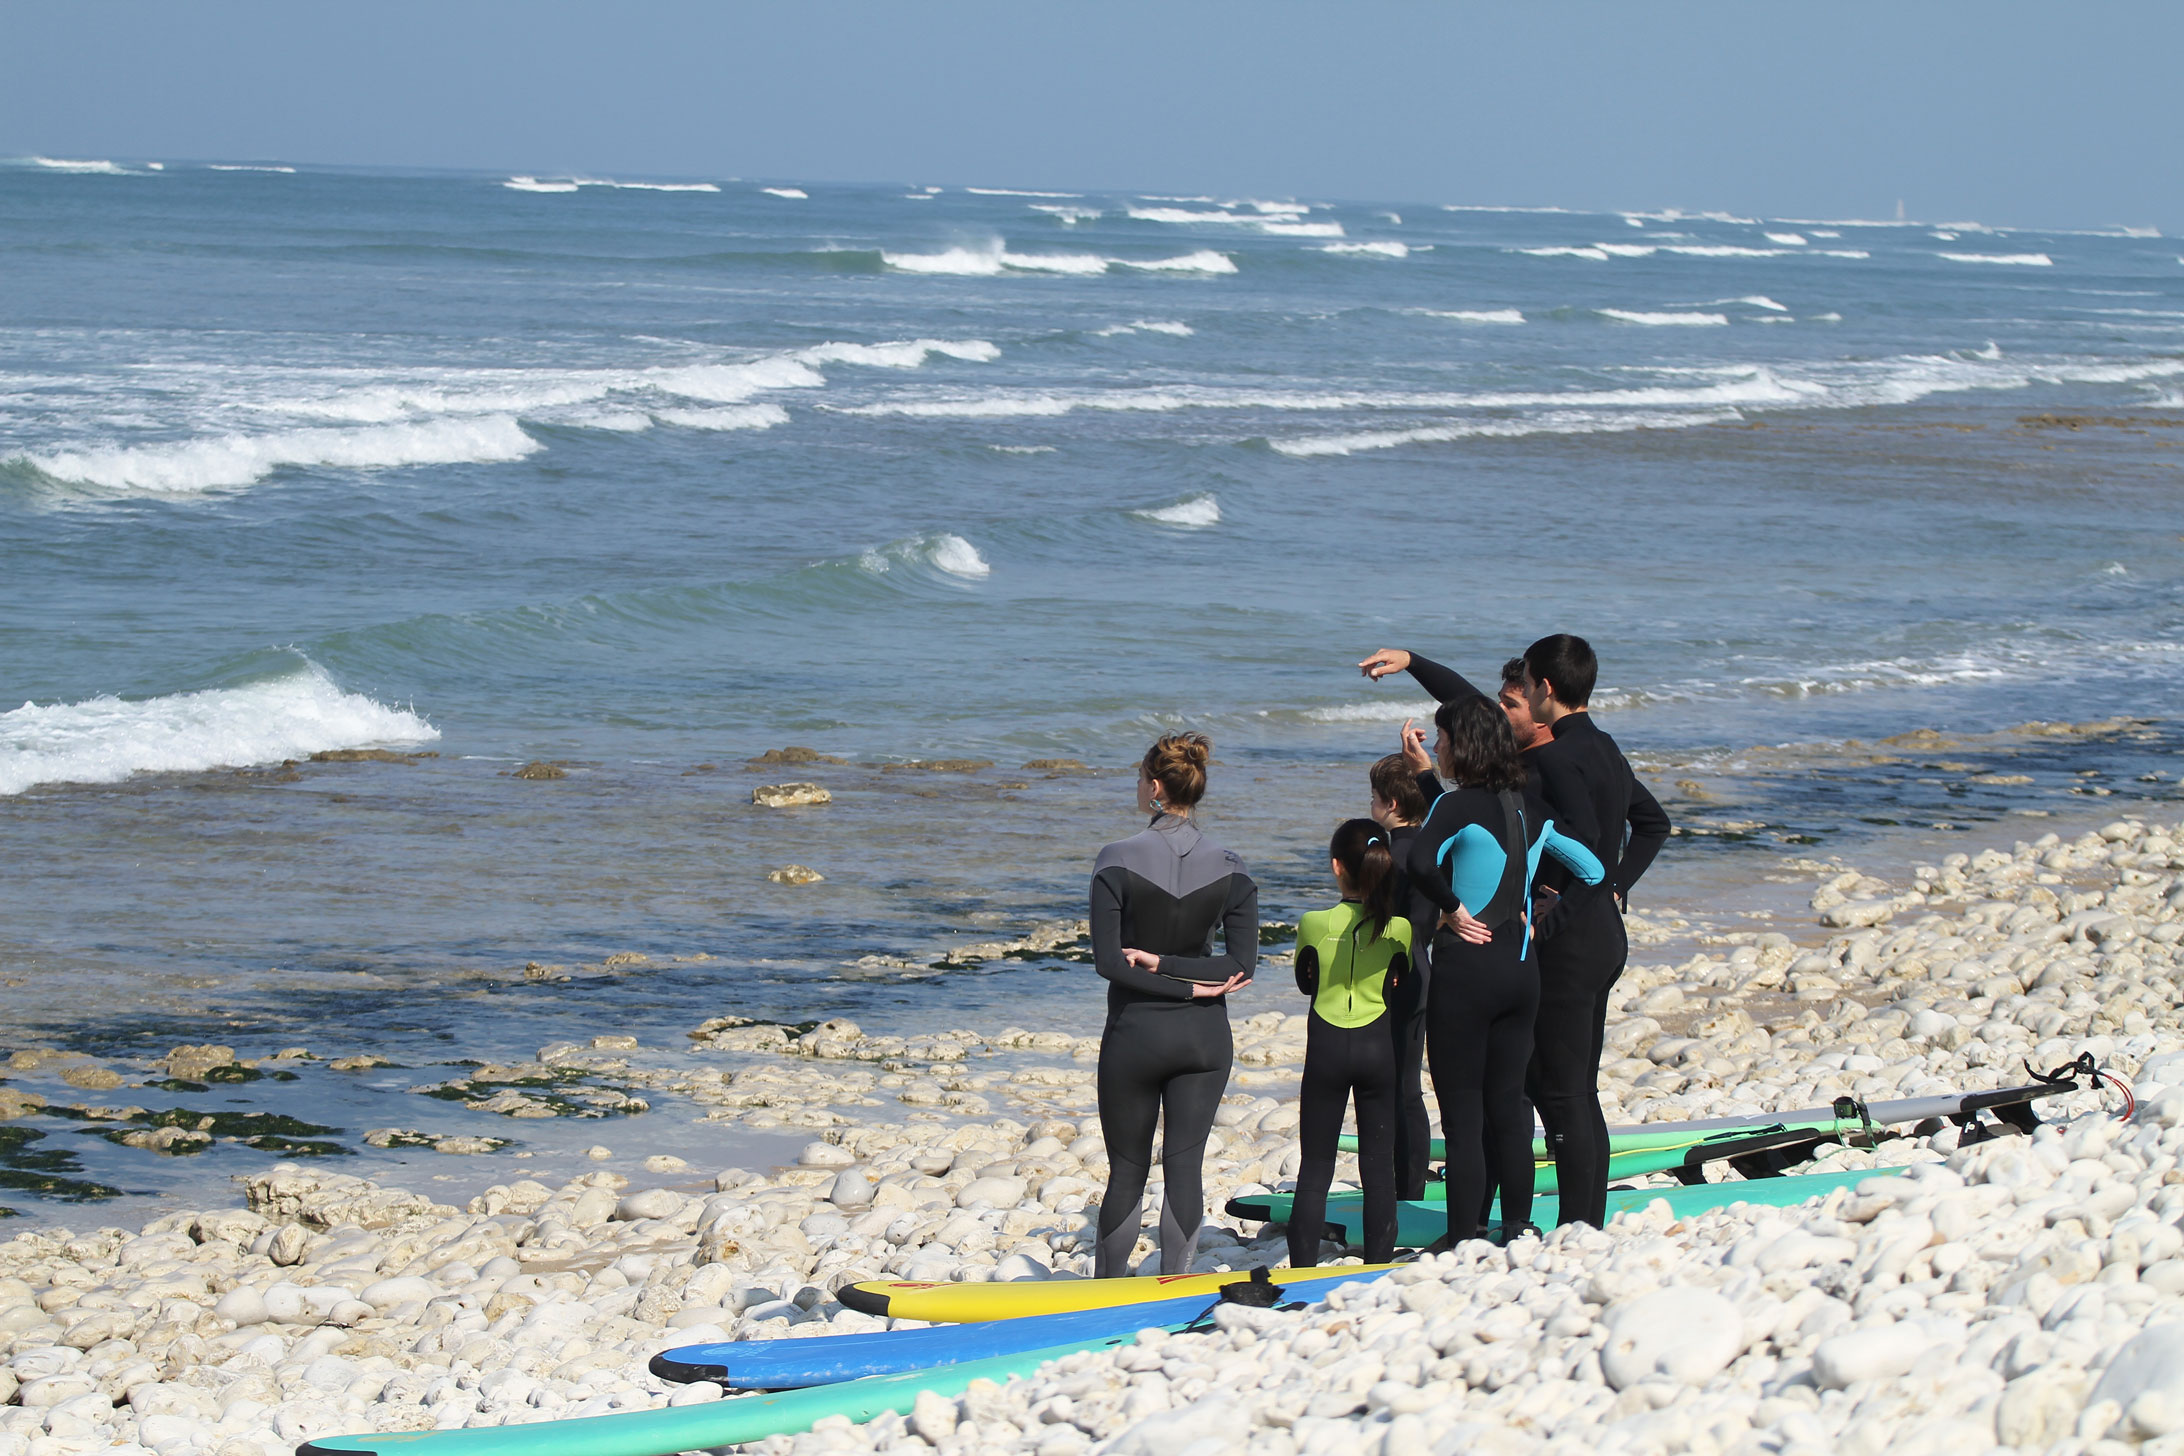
(639, 479)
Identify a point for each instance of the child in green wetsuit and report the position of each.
(1353, 960)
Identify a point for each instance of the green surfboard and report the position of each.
(1419, 1223)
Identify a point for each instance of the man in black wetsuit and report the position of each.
(1594, 798)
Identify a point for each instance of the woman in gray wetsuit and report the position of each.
(1157, 898)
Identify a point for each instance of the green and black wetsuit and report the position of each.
(1356, 980)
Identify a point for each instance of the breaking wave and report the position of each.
(106, 739)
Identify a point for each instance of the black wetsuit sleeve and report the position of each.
(1429, 784)
(1239, 941)
(1445, 683)
(1649, 830)
(1424, 870)
(1308, 970)
(1107, 943)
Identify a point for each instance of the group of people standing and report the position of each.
(1479, 932)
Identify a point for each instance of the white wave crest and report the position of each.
(1375, 249)
(1069, 215)
(1787, 240)
(532, 184)
(1146, 326)
(1015, 192)
(1477, 315)
(1383, 711)
(88, 166)
(2021, 260)
(243, 167)
(729, 417)
(1196, 513)
(187, 467)
(1203, 261)
(1664, 320)
(647, 186)
(1270, 218)
(794, 194)
(993, 259)
(104, 740)
(1553, 423)
(942, 550)
(1596, 255)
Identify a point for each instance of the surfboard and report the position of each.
(962, 1303)
(701, 1427)
(791, 1364)
(1419, 1223)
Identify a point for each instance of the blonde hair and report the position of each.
(1177, 762)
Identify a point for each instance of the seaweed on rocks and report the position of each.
(45, 1171)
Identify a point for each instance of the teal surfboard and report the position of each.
(1419, 1223)
(714, 1423)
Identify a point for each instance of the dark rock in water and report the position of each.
(939, 765)
(793, 754)
(539, 768)
(1056, 767)
(367, 755)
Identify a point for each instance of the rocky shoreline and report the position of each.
(2018, 1292)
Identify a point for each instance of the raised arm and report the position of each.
(1446, 684)
(1649, 830)
(1239, 942)
(1107, 944)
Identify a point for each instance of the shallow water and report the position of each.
(645, 482)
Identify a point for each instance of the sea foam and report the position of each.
(941, 550)
(1373, 249)
(89, 166)
(994, 259)
(2022, 260)
(104, 740)
(190, 466)
(1196, 513)
(794, 194)
(1664, 320)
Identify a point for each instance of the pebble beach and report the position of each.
(2019, 1293)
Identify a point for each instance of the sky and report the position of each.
(2001, 112)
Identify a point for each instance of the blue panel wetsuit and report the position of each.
(1356, 980)
(1164, 1053)
(1584, 782)
(1476, 850)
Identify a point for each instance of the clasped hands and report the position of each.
(1145, 960)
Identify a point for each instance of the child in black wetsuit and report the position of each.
(1399, 806)
(1352, 960)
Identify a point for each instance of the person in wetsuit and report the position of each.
(1157, 899)
(1352, 960)
(1595, 798)
(1475, 857)
(1584, 782)
(1399, 806)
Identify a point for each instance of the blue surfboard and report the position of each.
(793, 1364)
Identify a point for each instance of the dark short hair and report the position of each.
(1482, 745)
(1513, 671)
(1397, 784)
(1567, 665)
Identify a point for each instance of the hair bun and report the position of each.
(1177, 762)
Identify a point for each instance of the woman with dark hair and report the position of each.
(1474, 858)
(1157, 898)
(1352, 960)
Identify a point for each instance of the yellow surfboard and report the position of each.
(961, 1303)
